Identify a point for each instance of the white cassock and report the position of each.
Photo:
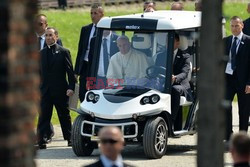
(131, 65)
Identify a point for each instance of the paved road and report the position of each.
(181, 152)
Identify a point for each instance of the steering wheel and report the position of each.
(156, 72)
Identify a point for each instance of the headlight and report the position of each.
(154, 98)
(92, 97)
(145, 100)
(97, 97)
(150, 99)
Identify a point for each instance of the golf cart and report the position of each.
(140, 107)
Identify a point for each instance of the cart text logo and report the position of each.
(133, 27)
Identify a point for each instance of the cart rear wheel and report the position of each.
(82, 146)
(155, 138)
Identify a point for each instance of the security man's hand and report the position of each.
(69, 92)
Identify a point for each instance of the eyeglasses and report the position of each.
(106, 141)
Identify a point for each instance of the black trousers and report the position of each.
(61, 103)
(232, 88)
(177, 92)
(83, 81)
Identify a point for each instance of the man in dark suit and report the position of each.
(180, 83)
(237, 48)
(55, 89)
(246, 28)
(108, 49)
(41, 24)
(111, 145)
(240, 149)
(87, 32)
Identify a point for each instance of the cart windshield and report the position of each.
(132, 59)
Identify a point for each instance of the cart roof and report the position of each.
(158, 20)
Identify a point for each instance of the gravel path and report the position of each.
(181, 152)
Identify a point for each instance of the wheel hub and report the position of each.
(160, 138)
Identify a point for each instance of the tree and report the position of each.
(211, 125)
(19, 83)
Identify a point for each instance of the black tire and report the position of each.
(82, 146)
(155, 138)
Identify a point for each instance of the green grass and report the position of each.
(69, 23)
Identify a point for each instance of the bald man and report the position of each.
(149, 6)
(240, 149)
(177, 6)
(111, 145)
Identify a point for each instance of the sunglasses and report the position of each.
(39, 24)
(106, 141)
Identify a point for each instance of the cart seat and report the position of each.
(184, 102)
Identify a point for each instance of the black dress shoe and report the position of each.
(49, 140)
(42, 146)
(69, 143)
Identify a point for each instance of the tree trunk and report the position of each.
(211, 124)
(19, 82)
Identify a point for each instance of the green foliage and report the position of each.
(69, 23)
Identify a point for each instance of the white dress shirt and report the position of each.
(175, 53)
(108, 163)
(90, 36)
(238, 42)
(101, 59)
(42, 40)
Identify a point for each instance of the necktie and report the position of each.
(95, 31)
(39, 43)
(105, 55)
(233, 53)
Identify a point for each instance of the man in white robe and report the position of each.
(128, 63)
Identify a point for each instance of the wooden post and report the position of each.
(211, 124)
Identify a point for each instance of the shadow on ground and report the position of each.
(134, 153)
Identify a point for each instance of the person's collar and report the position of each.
(239, 36)
(50, 46)
(175, 52)
(42, 36)
(107, 37)
(127, 54)
(107, 162)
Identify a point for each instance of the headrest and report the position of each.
(161, 38)
(141, 41)
(183, 43)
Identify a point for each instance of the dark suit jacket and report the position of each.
(243, 164)
(82, 47)
(99, 164)
(181, 67)
(53, 74)
(246, 29)
(242, 60)
(113, 48)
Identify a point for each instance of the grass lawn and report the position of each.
(69, 23)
